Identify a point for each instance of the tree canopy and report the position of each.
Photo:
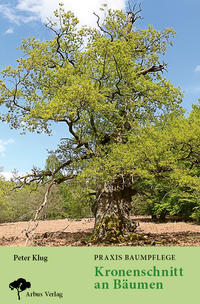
(99, 82)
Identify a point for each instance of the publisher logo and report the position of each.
(20, 285)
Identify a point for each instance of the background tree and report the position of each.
(20, 205)
(5, 188)
(102, 84)
(76, 200)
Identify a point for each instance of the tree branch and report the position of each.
(39, 177)
(102, 29)
(79, 142)
(132, 17)
(153, 69)
(119, 80)
(28, 231)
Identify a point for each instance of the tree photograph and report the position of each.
(125, 151)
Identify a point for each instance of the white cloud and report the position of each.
(197, 69)
(9, 13)
(9, 31)
(13, 16)
(3, 145)
(7, 175)
(43, 9)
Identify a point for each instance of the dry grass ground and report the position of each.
(77, 233)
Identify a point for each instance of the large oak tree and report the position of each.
(102, 84)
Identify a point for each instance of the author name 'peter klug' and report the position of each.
(28, 258)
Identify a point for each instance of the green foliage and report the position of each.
(163, 161)
(196, 213)
(21, 205)
(65, 201)
(76, 200)
(5, 188)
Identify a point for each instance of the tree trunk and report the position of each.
(112, 212)
(162, 216)
(154, 217)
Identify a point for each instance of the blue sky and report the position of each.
(22, 18)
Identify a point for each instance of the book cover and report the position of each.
(99, 151)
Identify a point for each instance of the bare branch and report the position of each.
(29, 231)
(45, 200)
(40, 176)
(133, 15)
(153, 69)
(102, 29)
